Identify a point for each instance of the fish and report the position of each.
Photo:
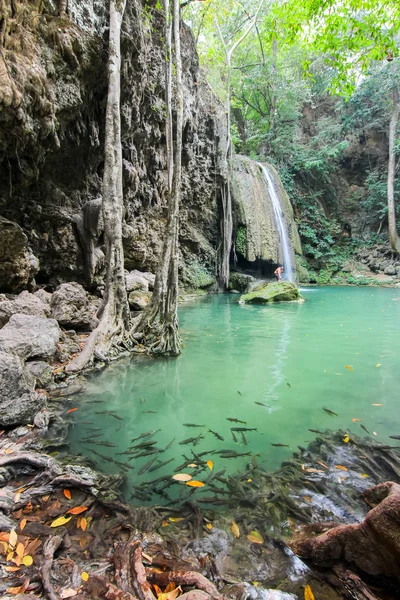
(236, 421)
(235, 454)
(147, 466)
(239, 392)
(143, 400)
(234, 436)
(192, 425)
(110, 414)
(192, 440)
(217, 435)
(365, 429)
(168, 446)
(262, 404)
(107, 444)
(330, 412)
(288, 384)
(147, 434)
(226, 451)
(111, 460)
(143, 445)
(245, 442)
(149, 412)
(243, 429)
(160, 465)
(394, 437)
(281, 445)
(316, 431)
(145, 453)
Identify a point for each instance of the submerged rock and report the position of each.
(30, 336)
(18, 402)
(73, 307)
(281, 291)
(25, 303)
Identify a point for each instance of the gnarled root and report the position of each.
(373, 545)
(186, 578)
(49, 548)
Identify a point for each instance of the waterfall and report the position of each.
(286, 248)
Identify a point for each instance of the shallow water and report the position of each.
(337, 350)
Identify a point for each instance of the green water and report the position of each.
(292, 357)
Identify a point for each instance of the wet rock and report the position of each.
(18, 402)
(240, 281)
(68, 345)
(282, 291)
(135, 281)
(42, 419)
(41, 372)
(18, 265)
(257, 593)
(390, 270)
(30, 336)
(139, 300)
(25, 303)
(73, 307)
(6, 524)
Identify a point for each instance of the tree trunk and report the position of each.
(393, 236)
(159, 323)
(114, 311)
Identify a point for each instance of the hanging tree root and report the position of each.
(372, 545)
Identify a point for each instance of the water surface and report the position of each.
(338, 350)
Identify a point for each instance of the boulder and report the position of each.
(40, 371)
(18, 265)
(240, 281)
(18, 402)
(43, 296)
(73, 307)
(138, 300)
(135, 281)
(390, 270)
(30, 336)
(282, 291)
(25, 303)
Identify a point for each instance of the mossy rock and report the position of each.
(282, 291)
(239, 281)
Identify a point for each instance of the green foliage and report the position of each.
(241, 240)
(196, 275)
(324, 277)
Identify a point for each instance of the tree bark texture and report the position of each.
(393, 235)
(114, 311)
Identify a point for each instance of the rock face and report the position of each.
(256, 232)
(282, 291)
(25, 303)
(29, 336)
(73, 307)
(17, 263)
(18, 402)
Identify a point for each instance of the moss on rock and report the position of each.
(282, 291)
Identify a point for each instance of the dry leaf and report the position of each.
(85, 576)
(176, 519)
(14, 590)
(255, 537)
(20, 550)
(72, 410)
(17, 497)
(67, 494)
(235, 529)
(68, 593)
(9, 556)
(77, 510)
(12, 540)
(4, 536)
(164, 524)
(83, 524)
(182, 477)
(378, 365)
(170, 595)
(349, 368)
(157, 589)
(60, 521)
(22, 525)
(209, 526)
(210, 464)
(310, 470)
(11, 569)
(307, 498)
(33, 546)
(170, 587)
(356, 420)
(27, 561)
(308, 593)
(147, 557)
(377, 405)
(195, 483)
(17, 560)
(341, 467)
(364, 475)
(192, 465)
(346, 439)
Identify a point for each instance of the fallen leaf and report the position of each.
(45, 498)
(27, 561)
(195, 483)
(322, 464)
(4, 536)
(209, 526)
(192, 465)
(377, 405)
(20, 550)
(14, 590)
(77, 510)
(310, 470)
(85, 576)
(255, 537)
(356, 420)
(170, 587)
(349, 368)
(182, 477)
(170, 595)
(33, 546)
(9, 556)
(176, 519)
(11, 569)
(67, 494)
(235, 529)
(22, 525)
(164, 524)
(12, 540)
(68, 593)
(83, 524)
(378, 365)
(346, 439)
(249, 480)
(60, 521)
(341, 467)
(147, 557)
(308, 593)
(307, 498)
(364, 475)
(17, 560)
(210, 464)
(17, 497)
(157, 589)
(72, 410)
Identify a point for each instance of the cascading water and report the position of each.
(286, 248)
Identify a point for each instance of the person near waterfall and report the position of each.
(278, 273)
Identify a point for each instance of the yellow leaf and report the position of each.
(27, 560)
(157, 589)
(170, 595)
(67, 494)
(192, 465)
(195, 483)
(210, 464)
(308, 593)
(182, 477)
(349, 368)
(209, 526)
(235, 529)
(22, 525)
(341, 467)
(176, 519)
(377, 405)
(60, 521)
(13, 538)
(83, 524)
(249, 480)
(17, 497)
(85, 576)
(9, 556)
(364, 475)
(164, 524)
(20, 550)
(346, 439)
(255, 537)
(378, 365)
